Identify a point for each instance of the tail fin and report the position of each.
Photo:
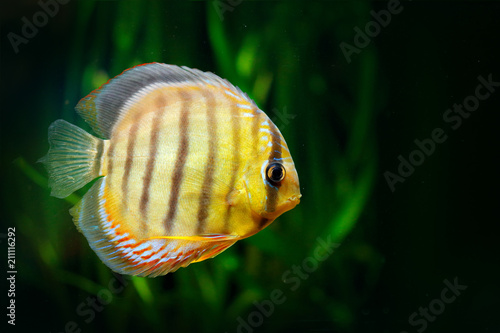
(73, 159)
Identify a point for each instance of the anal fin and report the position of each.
(95, 217)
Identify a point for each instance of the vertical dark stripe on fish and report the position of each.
(235, 126)
(206, 189)
(180, 161)
(111, 150)
(272, 192)
(98, 156)
(153, 149)
(130, 155)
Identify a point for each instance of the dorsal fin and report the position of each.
(104, 106)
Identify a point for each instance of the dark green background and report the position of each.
(350, 123)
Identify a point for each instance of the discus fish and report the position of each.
(186, 165)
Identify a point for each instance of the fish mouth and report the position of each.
(295, 199)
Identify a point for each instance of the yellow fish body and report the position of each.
(188, 166)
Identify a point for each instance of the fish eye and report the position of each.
(275, 172)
